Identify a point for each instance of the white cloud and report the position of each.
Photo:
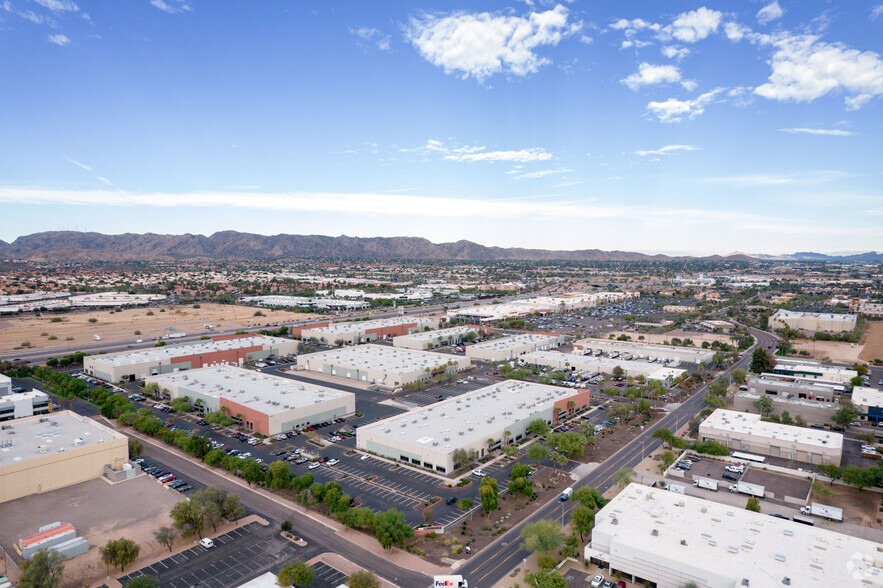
(674, 52)
(695, 25)
(631, 27)
(373, 36)
(770, 12)
(60, 40)
(651, 75)
(735, 32)
(795, 179)
(673, 110)
(540, 174)
(104, 180)
(78, 164)
(480, 45)
(666, 150)
(876, 11)
(519, 156)
(829, 132)
(175, 7)
(805, 68)
(58, 5)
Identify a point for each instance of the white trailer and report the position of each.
(676, 488)
(832, 513)
(707, 483)
(96, 337)
(746, 488)
(174, 335)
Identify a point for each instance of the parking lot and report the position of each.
(238, 554)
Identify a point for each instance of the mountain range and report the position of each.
(78, 246)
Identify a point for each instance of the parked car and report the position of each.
(364, 457)
(314, 465)
(332, 462)
(729, 476)
(451, 500)
(479, 473)
(206, 543)
(597, 581)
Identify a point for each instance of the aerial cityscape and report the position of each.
(387, 295)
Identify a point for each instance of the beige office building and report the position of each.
(425, 340)
(747, 433)
(508, 348)
(813, 321)
(42, 453)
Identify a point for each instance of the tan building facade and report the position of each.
(42, 453)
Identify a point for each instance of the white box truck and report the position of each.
(746, 488)
(450, 582)
(707, 483)
(832, 513)
(676, 488)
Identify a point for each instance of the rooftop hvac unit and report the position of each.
(447, 438)
(461, 433)
(78, 441)
(44, 420)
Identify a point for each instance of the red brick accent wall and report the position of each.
(394, 331)
(581, 397)
(296, 331)
(198, 360)
(260, 422)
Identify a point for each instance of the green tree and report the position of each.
(858, 477)
(363, 579)
(846, 414)
(135, 448)
(318, 491)
(45, 569)
(764, 405)
(714, 401)
(589, 497)
(537, 452)
(278, 476)
(296, 574)
(166, 536)
(390, 529)
(753, 504)
(666, 458)
(187, 516)
(583, 519)
(357, 518)
(519, 470)
(739, 376)
(538, 427)
(545, 579)
(142, 582)
(664, 435)
(617, 372)
(232, 509)
(461, 457)
(120, 552)
(465, 503)
(214, 457)
(624, 477)
(760, 361)
(819, 489)
(490, 499)
(251, 471)
(542, 537)
(830, 470)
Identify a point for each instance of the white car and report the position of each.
(479, 473)
(332, 462)
(314, 465)
(206, 543)
(735, 469)
(597, 581)
(364, 457)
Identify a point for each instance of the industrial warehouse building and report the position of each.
(137, 365)
(381, 366)
(869, 402)
(304, 302)
(24, 404)
(539, 305)
(644, 350)
(813, 400)
(263, 403)
(812, 321)
(654, 538)
(507, 348)
(366, 331)
(431, 339)
(42, 453)
(745, 432)
(813, 370)
(428, 436)
(589, 363)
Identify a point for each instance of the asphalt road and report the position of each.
(490, 565)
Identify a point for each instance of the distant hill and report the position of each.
(869, 257)
(76, 246)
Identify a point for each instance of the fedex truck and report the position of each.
(832, 513)
(450, 582)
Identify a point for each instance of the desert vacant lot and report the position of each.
(873, 342)
(74, 328)
(839, 352)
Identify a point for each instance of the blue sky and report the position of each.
(675, 127)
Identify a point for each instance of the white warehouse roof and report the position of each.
(743, 423)
(171, 351)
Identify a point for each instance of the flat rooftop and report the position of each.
(798, 385)
(733, 543)
(27, 438)
(380, 357)
(688, 353)
(29, 395)
(864, 396)
(742, 423)
(443, 333)
(799, 364)
(786, 314)
(171, 351)
(265, 393)
(362, 326)
(602, 364)
(470, 417)
(514, 341)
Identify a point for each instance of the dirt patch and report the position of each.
(839, 352)
(873, 344)
(100, 512)
(860, 507)
(120, 326)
